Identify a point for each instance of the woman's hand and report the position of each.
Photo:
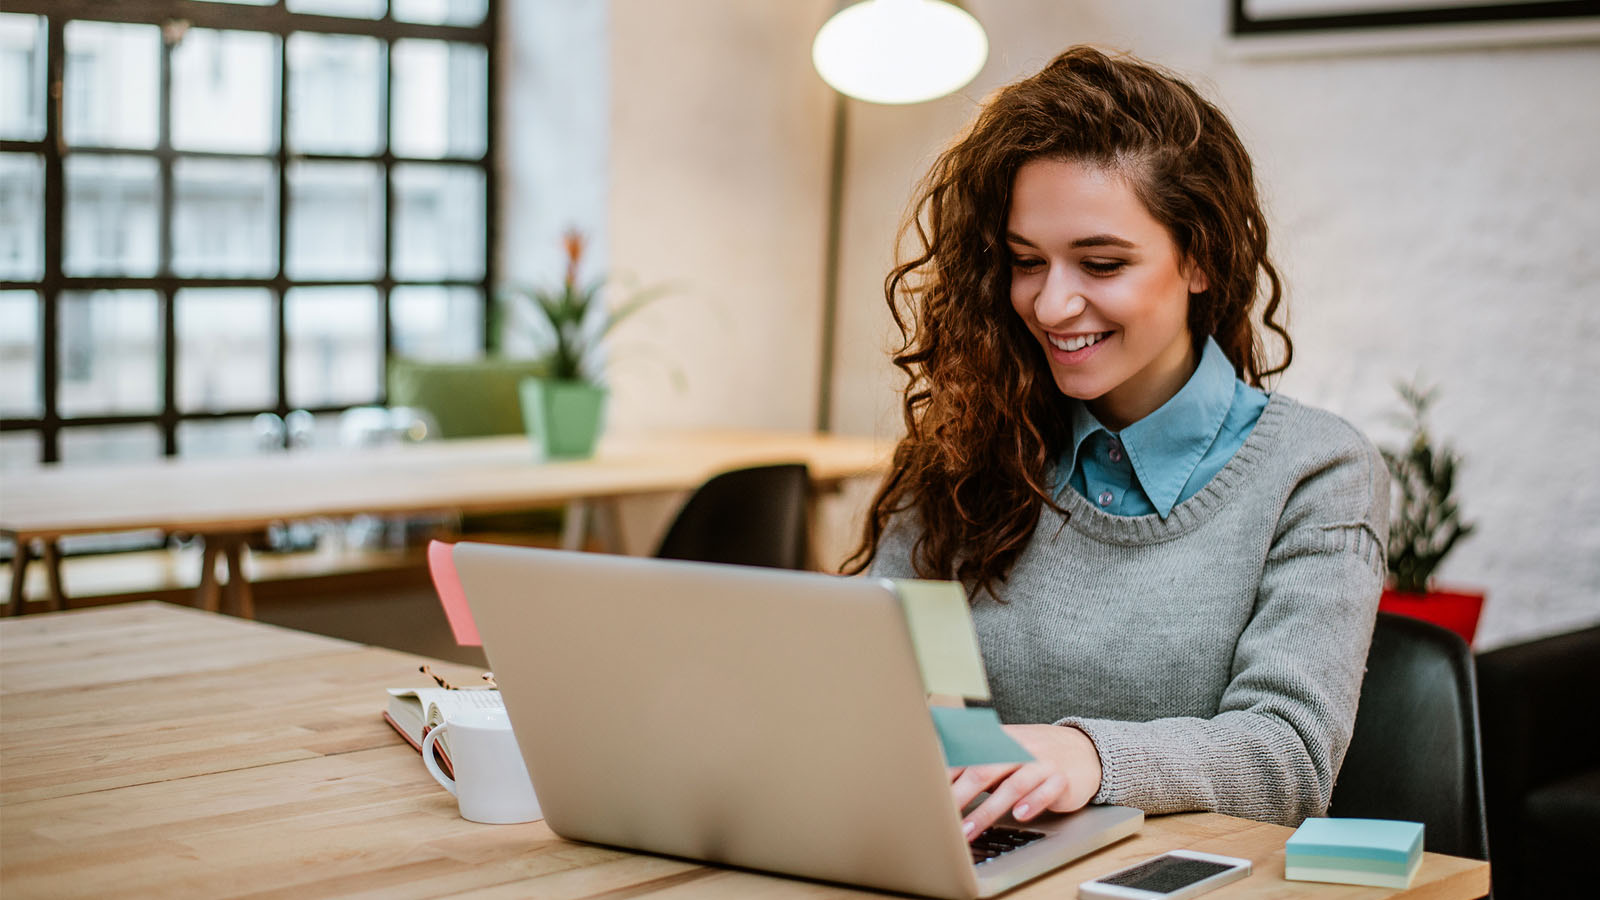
(1064, 776)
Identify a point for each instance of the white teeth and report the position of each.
(1077, 343)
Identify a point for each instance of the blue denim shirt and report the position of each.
(1168, 456)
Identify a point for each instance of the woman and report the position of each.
(1174, 575)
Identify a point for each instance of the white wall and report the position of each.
(1435, 212)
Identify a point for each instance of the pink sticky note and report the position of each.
(442, 566)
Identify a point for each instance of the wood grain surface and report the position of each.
(149, 750)
(477, 475)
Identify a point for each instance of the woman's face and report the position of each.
(1100, 285)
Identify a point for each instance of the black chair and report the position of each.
(1540, 703)
(750, 517)
(1415, 752)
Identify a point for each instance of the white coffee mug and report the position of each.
(491, 783)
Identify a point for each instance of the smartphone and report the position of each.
(1178, 875)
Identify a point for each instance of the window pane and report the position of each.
(109, 443)
(21, 217)
(110, 353)
(19, 449)
(113, 74)
(112, 222)
(225, 349)
(225, 438)
(335, 94)
(21, 77)
(437, 323)
(440, 99)
(356, 9)
(441, 12)
(439, 222)
(335, 352)
(20, 327)
(224, 91)
(335, 220)
(225, 217)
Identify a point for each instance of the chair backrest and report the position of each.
(1415, 754)
(751, 517)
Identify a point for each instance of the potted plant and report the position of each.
(1426, 525)
(563, 405)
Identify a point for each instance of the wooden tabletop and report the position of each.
(149, 750)
(474, 475)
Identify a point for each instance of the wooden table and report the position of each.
(224, 500)
(149, 750)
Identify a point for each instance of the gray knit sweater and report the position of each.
(1214, 657)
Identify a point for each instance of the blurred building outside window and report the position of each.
(365, 177)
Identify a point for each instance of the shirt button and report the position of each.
(1105, 498)
(1115, 452)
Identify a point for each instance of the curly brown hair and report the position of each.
(984, 418)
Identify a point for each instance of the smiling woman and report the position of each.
(1173, 574)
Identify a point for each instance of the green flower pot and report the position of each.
(562, 417)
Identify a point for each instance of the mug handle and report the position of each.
(433, 764)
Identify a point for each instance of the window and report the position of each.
(215, 210)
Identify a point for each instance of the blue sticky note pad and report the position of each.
(1384, 840)
(973, 737)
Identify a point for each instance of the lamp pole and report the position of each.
(830, 263)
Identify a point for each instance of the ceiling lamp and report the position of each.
(899, 51)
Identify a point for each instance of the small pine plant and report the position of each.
(1426, 523)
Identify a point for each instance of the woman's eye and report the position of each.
(1026, 264)
(1102, 267)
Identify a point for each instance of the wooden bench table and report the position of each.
(149, 750)
(224, 500)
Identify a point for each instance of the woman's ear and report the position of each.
(1198, 283)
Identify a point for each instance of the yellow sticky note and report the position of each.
(943, 637)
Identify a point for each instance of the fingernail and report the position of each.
(1021, 810)
(966, 829)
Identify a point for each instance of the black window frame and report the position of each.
(278, 20)
(1241, 23)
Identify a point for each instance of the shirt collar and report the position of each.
(1166, 445)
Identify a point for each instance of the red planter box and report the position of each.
(1455, 610)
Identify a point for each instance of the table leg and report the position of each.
(52, 570)
(608, 524)
(19, 573)
(239, 597)
(208, 591)
(576, 526)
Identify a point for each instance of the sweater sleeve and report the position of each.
(1273, 749)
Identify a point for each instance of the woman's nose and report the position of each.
(1058, 301)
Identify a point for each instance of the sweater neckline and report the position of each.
(1089, 519)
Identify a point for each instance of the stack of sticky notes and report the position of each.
(1378, 852)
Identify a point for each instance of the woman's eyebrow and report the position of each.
(1093, 240)
(1103, 240)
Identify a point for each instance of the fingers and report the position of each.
(1040, 798)
(974, 780)
(1035, 786)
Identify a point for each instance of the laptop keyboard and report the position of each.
(1000, 840)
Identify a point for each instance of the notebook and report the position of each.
(759, 718)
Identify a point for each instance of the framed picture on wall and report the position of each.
(1286, 17)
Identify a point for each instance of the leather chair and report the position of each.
(1415, 752)
(751, 517)
(1540, 703)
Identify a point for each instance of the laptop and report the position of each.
(759, 718)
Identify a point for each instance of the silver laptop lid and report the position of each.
(757, 717)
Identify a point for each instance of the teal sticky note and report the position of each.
(942, 635)
(1388, 840)
(973, 737)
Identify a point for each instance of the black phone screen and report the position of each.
(1165, 874)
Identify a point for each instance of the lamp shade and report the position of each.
(899, 51)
